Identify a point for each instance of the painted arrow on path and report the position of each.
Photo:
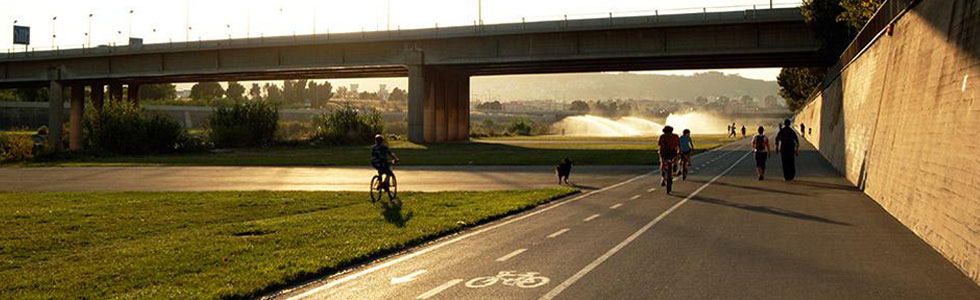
(406, 278)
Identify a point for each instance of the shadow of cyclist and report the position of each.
(393, 212)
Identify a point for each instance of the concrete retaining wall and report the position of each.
(902, 121)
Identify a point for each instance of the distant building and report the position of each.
(353, 88)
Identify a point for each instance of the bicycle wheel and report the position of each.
(392, 188)
(480, 282)
(375, 188)
(532, 282)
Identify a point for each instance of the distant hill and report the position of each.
(619, 85)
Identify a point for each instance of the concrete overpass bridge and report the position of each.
(437, 61)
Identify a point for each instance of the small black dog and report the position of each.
(564, 169)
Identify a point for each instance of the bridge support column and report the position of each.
(133, 94)
(97, 95)
(56, 110)
(438, 105)
(75, 118)
(116, 92)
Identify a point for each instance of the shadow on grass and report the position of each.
(393, 213)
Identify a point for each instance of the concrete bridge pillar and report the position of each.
(133, 93)
(97, 95)
(56, 110)
(438, 105)
(116, 92)
(75, 118)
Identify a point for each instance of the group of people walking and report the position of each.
(787, 144)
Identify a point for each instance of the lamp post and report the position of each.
(88, 34)
(54, 33)
(479, 11)
(130, 23)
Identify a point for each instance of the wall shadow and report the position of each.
(768, 210)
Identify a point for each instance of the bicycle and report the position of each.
(384, 184)
(685, 160)
(527, 280)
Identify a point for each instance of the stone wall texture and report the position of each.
(902, 121)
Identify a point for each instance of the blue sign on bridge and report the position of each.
(22, 35)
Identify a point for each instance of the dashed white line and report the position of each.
(588, 268)
(512, 254)
(638, 196)
(651, 190)
(439, 289)
(590, 218)
(616, 206)
(557, 233)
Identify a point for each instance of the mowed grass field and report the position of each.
(216, 245)
(545, 150)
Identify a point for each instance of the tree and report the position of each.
(822, 16)
(8, 95)
(796, 84)
(163, 91)
(207, 91)
(235, 91)
(398, 95)
(321, 93)
(857, 12)
(31, 94)
(255, 92)
(342, 92)
(273, 93)
(579, 105)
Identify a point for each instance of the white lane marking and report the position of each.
(638, 196)
(571, 280)
(468, 235)
(616, 206)
(590, 218)
(651, 190)
(557, 233)
(439, 289)
(512, 254)
(407, 278)
(452, 241)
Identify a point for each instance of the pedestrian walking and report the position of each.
(743, 131)
(803, 130)
(760, 145)
(788, 146)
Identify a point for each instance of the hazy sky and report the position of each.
(212, 19)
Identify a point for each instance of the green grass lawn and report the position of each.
(208, 245)
(543, 151)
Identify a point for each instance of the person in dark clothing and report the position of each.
(760, 144)
(788, 146)
(743, 130)
(803, 130)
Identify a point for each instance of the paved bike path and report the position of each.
(723, 234)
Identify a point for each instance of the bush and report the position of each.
(15, 148)
(519, 127)
(346, 126)
(122, 128)
(291, 131)
(252, 123)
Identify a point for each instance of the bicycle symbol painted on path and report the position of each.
(527, 280)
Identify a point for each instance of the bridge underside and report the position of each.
(438, 62)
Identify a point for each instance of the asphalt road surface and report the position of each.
(722, 235)
(410, 178)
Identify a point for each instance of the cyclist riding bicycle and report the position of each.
(670, 147)
(379, 158)
(687, 146)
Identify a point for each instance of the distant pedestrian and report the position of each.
(788, 146)
(732, 130)
(810, 131)
(803, 130)
(760, 144)
(743, 131)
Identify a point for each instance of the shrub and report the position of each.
(294, 131)
(347, 126)
(252, 123)
(122, 128)
(519, 127)
(15, 148)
